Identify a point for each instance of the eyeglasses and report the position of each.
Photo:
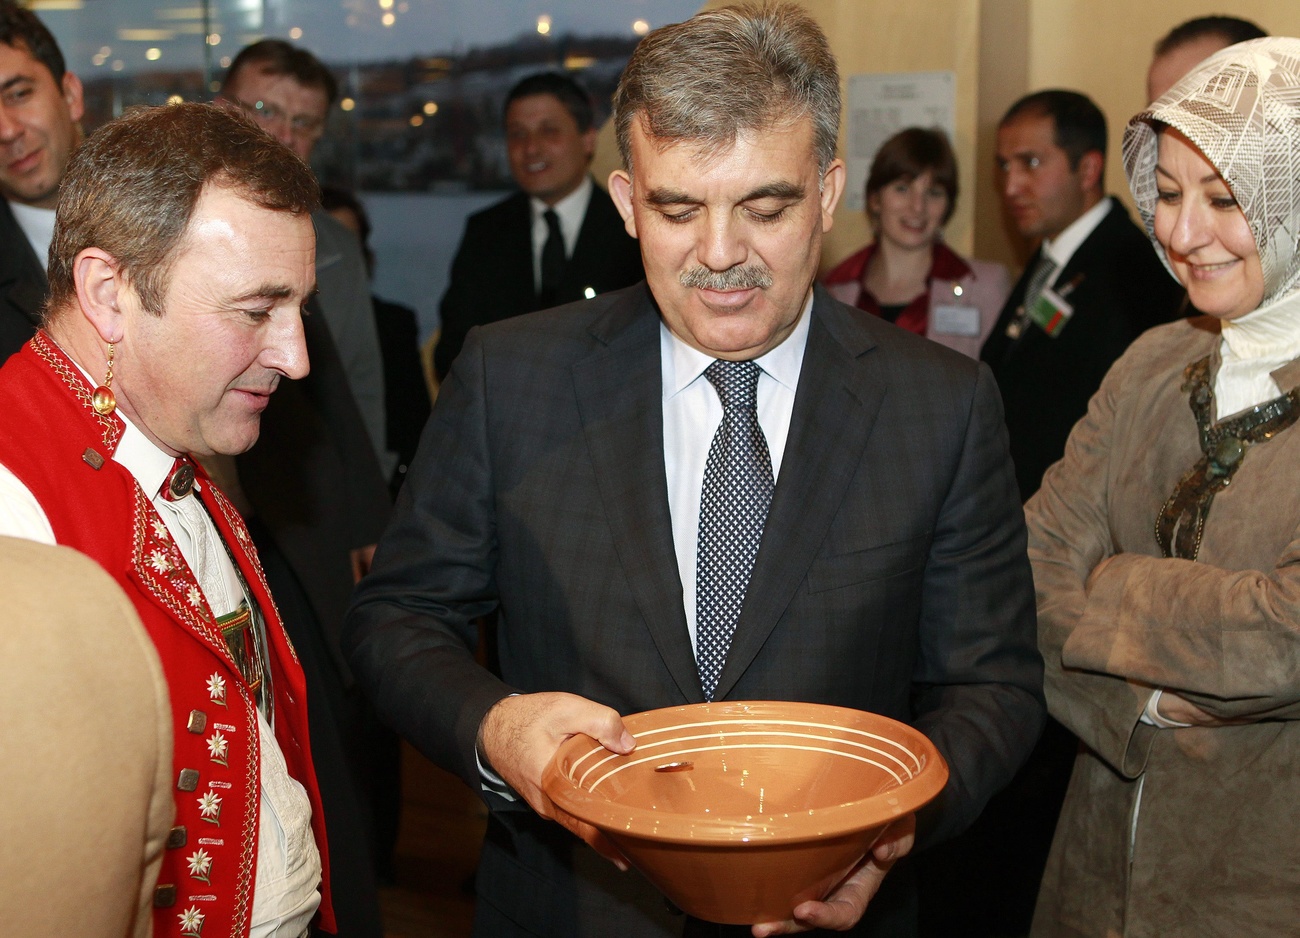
(303, 126)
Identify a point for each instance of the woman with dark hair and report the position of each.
(908, 275)
(1166, 543)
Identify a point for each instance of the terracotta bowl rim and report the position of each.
(755, 830)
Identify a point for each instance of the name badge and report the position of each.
(955, 320)
(1050, 312)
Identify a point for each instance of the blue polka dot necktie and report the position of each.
(737, 491)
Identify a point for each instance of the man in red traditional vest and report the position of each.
(182, 255)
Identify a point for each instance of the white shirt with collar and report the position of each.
(571, 209)
(38, 225)
(286, 882)
(692, 413)
(1062, 247)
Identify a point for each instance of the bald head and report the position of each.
(1189, 44)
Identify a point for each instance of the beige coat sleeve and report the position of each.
(85, 751)
(1069, 536)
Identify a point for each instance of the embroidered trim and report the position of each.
(1181, 522)
(252, 787)
(164, 572)
(110, 425)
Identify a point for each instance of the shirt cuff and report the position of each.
(492, 783)
(1152, 717)
(489, 781)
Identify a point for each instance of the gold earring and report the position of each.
(103, 400)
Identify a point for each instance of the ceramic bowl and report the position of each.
(739, 811)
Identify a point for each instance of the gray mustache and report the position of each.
(733, 278)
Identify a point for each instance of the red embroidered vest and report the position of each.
(57, 446)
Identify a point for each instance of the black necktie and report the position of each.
(733, 507)
(552, 260)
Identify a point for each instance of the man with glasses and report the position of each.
(315, 497)
(289, 92)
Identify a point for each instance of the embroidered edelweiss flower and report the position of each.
(160, 529)
(217, 745)
(158, 560)
(217, 688)
(210, 808)
(200, 864)
(191, 922)
(194, 596)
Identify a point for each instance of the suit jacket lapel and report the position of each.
(835, 409)
(1085, 256)
(516, 255)
(620, 401)
(591, 253)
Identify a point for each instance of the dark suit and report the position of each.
(1121, 290)
(492, 275)
(22, 285)
(892, 574)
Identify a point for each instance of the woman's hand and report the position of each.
(1180, 710)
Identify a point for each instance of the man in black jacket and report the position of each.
(557, 240)
(1092, 286)
(39, 111)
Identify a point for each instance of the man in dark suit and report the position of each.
(1095, 280)
(557, 240)
(39, 111)
(22, 285)
(290, 93)
(844, 529)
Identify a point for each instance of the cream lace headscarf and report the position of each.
(1241, 108)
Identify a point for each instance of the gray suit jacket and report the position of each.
(892, 574)
(344, 296)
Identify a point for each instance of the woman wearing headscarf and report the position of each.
(1166, 543)
(908, 275)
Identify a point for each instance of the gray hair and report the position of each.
(728, 71)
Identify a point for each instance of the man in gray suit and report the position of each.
(838, 522)
(290, 92)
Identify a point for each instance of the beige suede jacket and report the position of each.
(1171, 832)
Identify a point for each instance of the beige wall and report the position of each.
(999, 50)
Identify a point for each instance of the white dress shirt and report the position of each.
(571, 209)
(286, 883)
(38, 225)
(692, 413)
